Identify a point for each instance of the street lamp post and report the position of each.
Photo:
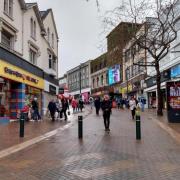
(80, 80)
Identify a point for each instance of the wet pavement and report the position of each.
(99, 156)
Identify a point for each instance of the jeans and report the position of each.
(36, 115)
(106, 116)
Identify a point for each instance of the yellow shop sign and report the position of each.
(17, 74)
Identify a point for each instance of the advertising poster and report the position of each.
(173, 101)
(114, 74)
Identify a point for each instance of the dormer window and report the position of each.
(33, 28)
(8, 7)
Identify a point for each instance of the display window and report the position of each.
(31, 93)
(4, 97)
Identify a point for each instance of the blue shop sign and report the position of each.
(175, 71)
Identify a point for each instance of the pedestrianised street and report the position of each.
(99, 155)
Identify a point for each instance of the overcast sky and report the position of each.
(79, 25)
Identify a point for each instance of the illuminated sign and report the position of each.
(175, 71)
(114, 74)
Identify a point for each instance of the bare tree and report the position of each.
(159, 18)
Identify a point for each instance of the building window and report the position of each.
(127, 71)
(33, 28)
(7, 39)
(52, 62)
(33, 57)
(8, 7)
(48, 35)
(93, 83)
(52, 40)
(97, 81)
(102, 80)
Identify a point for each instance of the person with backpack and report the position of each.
(106, 108)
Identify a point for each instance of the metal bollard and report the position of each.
(80, 127)
(138, 124)
(21, 132)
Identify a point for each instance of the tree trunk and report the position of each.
(159, 93)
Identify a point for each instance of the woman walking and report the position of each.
(132, 104)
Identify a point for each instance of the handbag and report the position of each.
(69, 113)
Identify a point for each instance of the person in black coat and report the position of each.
(65, 106)
(106, 108)
(52, 108)
(97, 104)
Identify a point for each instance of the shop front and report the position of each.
(17, 88)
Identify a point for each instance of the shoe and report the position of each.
(108, 130)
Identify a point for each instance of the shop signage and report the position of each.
(20, 75)
(52, 89)
(17, 74)
(173, 101)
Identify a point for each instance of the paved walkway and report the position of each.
(99, 156)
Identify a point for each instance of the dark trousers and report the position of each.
(97, 111)
(52, 115)
(106, 116)
(133, 113)
(36, 115)
(63, 111)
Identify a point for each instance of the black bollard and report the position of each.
(21, 121)
(80, 127)
(138, 125)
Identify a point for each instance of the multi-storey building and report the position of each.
(99, 76)
(133, 74)
(169, 68)
(28, 56)
(79, 80)
(116, 41)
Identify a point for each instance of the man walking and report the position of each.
(52, 108)
(106, 107)
(97, 104)
(65, 106)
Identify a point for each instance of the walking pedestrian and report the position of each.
(65, 106)
(74, 105)
(35, 108)
(91, 101)
(106, 107)
(132, 104)
(97, 104)
(58, 107)
(81, 104)
(52, 108)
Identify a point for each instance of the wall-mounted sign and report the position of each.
(20, 75)
(14, 73)
(175, 71)
(173, 101)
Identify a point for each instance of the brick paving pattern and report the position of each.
(99, 156)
